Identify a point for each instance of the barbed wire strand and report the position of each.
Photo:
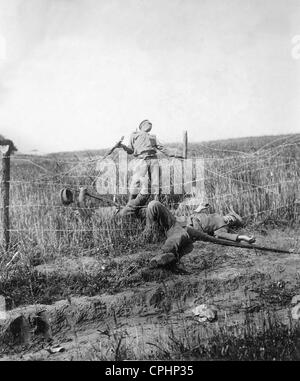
(83, 164)
(183, 184)
(95, 230)
(53, 206)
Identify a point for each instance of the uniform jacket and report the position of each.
(144, 145)
(212, 224)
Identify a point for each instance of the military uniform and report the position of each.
(144, 147)
(179, 231)
(145, 163)
(212, 224)
(135, 207)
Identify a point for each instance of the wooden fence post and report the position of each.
(183, 166)
(6, 147)
(185, 145)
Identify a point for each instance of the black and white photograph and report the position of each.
(149, 183)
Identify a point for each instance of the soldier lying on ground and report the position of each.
(181, 231)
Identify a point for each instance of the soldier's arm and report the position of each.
(223, 234)
(198, 235)
(129, 149)
(167, 152)
(134, 206)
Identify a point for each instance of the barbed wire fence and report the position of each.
(262, 184)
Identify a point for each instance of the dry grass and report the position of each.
(257, 177)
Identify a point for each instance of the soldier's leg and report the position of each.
(158, 221)
(154, 174)
(157, 213)
(177, 238)
(140, 171)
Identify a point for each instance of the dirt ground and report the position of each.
(143, 318)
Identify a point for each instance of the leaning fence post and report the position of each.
(185, 145)
(6, 147)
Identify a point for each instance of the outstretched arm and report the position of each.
(129, 150)
(224, 234)
(167, 152)
(197, 235)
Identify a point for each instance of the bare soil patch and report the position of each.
(135, 311)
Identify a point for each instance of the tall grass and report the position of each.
(258, 177)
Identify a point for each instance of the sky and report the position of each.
(79, 74)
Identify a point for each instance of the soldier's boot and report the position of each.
(162, 260)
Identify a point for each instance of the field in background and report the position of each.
(258, 177)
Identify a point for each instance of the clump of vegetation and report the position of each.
(270, 341)
(258, 177)
(274, 342)
(25, 286)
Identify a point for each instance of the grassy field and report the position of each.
(258, 177)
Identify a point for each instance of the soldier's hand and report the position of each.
(247, 239)
(119, 143)
(116, 211)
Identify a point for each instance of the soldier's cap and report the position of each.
(66, 196)
(145, 123)
(201, 207)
